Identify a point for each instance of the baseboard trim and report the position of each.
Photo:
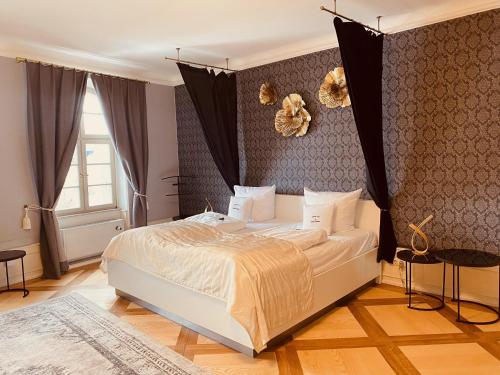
(18, 278)
(482, 291)
(85, 262)
(436, 290)
(32, 266)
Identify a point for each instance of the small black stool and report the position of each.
(6, 256)
(470, 258)
(409, 257)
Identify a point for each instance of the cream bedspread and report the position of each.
(265, 281)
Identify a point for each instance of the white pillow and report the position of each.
(318, 216)
(240, 208)
(345, 206)
(263, 200)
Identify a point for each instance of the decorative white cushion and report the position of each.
(345, 206)
(240, 208)
(263, 200)
(318, 216)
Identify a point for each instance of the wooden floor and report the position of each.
(373, 334)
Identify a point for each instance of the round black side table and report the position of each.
(409, 257)
(470, 258)
(6, 256)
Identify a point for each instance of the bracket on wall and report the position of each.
(178, 59)
(334, 12)
(177, 183)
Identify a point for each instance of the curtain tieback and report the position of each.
(142, 195)
(26, 223)
(37, 207)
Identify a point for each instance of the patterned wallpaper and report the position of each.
(441, 101)
(203, 179)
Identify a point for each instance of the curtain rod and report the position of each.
(200, 64)
(24, 59)
(334, 12)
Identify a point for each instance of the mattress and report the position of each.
(339, 248)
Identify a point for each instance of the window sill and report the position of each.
(72, 220)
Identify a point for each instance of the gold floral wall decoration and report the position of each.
(268, 94)
(293, 117)
(333, 91)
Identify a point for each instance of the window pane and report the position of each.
(91, 103)
(73, 177)
(98, 153)
(94, 124)
(74, 160)
(100, 195)
(99, 174)
(69, 199)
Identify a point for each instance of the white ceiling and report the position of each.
(130, 37)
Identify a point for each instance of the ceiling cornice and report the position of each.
(108, 67)
(330, 41)
(126, 69)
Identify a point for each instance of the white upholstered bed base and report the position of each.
(208, 316)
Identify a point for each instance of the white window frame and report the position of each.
(83, 140)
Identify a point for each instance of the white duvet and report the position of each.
(266, 281)
(220, 221)
(303, 238)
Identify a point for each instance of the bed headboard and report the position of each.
(289, 208)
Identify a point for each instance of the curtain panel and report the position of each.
(55, 102)
(361, 52)
(214, 98)
(124, 106)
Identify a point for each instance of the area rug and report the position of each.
(70, 335)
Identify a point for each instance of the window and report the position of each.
(91, 181)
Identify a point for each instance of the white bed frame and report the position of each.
(208, 315)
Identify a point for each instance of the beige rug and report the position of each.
(70, 335)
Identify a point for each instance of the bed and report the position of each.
(340, 265)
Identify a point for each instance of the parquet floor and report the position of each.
(373, 334)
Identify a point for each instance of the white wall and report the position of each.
(32, 266)
(16, 184)
(163, 157)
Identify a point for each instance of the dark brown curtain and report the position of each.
(214, 98)
(124, 105)
(55, 102)
(361, 52)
